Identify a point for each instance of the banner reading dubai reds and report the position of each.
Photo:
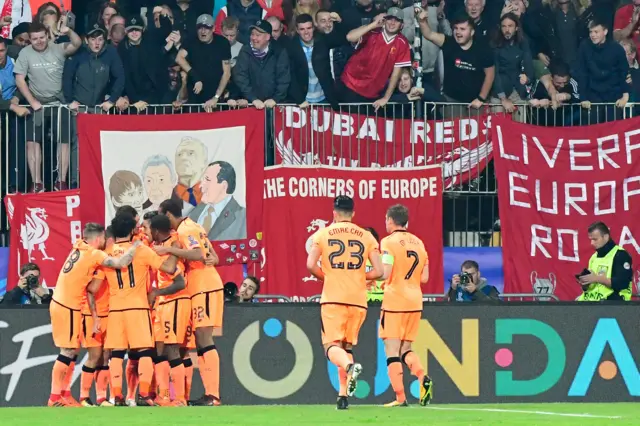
(553, 183)
(299, 200)
(43, 229)
(319, 135)
(210, 163)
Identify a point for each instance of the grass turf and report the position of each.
(629, 414)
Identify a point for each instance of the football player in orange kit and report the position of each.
(129, 320)
(344, 248)
(406, 266)
(174, 312)
(95, 310)
(66, 319)
(206, 290)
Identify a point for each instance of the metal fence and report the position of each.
(42, 148)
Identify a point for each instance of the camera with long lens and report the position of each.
(465, 278)
(32, 282)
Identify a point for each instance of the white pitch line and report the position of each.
(543, 413)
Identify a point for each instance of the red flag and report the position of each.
(299, 200)
(43, 228)
(552, 184)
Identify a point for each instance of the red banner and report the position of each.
(43, 228)
(298, 202)
(320, 135)
(201, 160)
(552, 184)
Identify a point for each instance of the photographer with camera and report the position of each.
(245, 294)
(469, 286)
(28, 291)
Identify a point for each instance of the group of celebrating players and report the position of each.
(104, 301)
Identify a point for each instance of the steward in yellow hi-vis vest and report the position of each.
(375, 290)
(610, 272)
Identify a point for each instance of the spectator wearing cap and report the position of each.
(145, 62)
(248, 13)
(468, 65)
(207, 62)
(311, 81)
(187, 13)
(93, 77)
(261, 73)
(20, 39)
(38, 73)
(381, 53)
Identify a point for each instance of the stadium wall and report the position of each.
(271, 354)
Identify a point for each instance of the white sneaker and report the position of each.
(131, 403)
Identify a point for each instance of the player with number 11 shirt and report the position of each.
(344, 248)
(406, 266)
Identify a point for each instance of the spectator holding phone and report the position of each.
(50, 16)
(470, 286)
(610, 273)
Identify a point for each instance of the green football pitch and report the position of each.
(499, 414)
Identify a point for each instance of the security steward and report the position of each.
(375, 292)
(610, 273)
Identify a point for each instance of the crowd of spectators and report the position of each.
(561, 55)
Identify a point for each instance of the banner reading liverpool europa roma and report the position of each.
(210, 163)
(298, 201)
(319, 135)
(552, 184)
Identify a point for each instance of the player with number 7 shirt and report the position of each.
(344, 248)
(65, 310)
(406, 266)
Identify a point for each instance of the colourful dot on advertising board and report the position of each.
(363, 389)
(414, 388)
(504, 357)
(607, 370)
(272, 327)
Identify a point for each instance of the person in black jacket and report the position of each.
(262, 72)
(146, 62)
(601, 73)
(29, 290)
(311, 82)
(336, 50)
(93, 77)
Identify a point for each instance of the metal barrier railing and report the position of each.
(505, 296)
(42, 147)
(278, 297)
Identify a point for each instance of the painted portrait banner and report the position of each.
(201, 160)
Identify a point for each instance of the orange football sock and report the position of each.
(66, 385)
(115, 373)
(145, 371)
(58, 374)
(339, 357)
(86, 381)
(132, 378)
(162, 372)
(102, 383)
(394, 368)
(211, 375)
(188, 376)
(413, 362)
(177, 374)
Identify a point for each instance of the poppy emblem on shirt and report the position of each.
(393, 50)
(458, 61)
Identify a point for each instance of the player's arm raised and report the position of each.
(312, 262)
(122, 261)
